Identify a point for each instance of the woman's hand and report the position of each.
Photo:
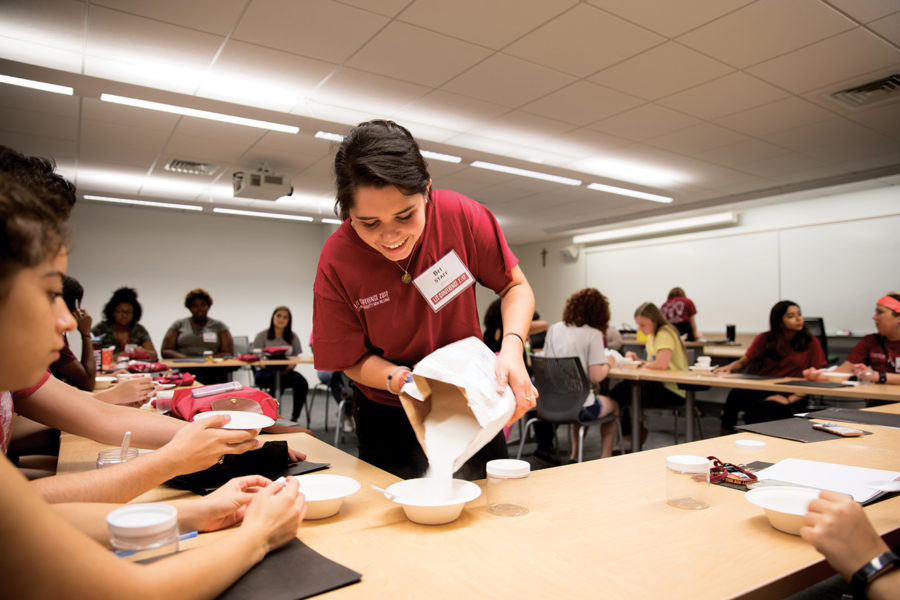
(631, 356)
(224, 507)
(779, 398)
(83, 321)
(864, 373)
(131, 392)
(812, 374)
(723, 369)
(838, 528)
(275, 513)
(511, 371)
(202, 443)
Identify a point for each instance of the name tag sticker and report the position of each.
(210, 337)
(446, 279)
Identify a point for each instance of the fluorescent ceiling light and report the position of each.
(332, 137)
(443, 157)
(626, 192)
(655, 229)
(200, 114)
(480, 164)
(332, 221)
(250, 213)
(37, 85)
(143, 203)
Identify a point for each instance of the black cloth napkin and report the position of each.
(853, 415)
(799, 430)
(291, 572)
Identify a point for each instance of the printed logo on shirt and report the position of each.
(372, 301)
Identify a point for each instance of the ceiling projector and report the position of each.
(261, 185)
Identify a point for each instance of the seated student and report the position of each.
(47, 555)
(665, 351)
(580, 334)
(876, 357)
(679, 310)
(838, 528)
(785, 350)
(121, 326)
(79, 373)
(280, 333)
(192, 336)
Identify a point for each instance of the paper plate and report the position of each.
(239, 419)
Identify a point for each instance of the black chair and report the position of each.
(562, 387)
(816, 328)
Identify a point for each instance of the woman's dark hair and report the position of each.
(493, 325)
(675, 292)
(288, 332)
(31, 231)
(378, 154)
(124, 295)
(587, 307)
(38, 174)
(72, 292)
(776, 340)
(194, 294)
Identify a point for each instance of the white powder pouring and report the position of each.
(449, 427)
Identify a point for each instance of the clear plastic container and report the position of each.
(143, 531)
(508, 491)
(687, 481)
(113, 456)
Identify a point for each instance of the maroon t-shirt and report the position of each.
(362, 307)
(678, 309)
(878, 352)
(791, 365)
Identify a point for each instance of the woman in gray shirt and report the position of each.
(280, 333)
(191, 337)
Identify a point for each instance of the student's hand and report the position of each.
(812, 374)
(275, 513)
(224, 507)
(511, 371)
(864, 373)
(131, 392)
(722, 370)
(779, 398)
(631, 356)
(201, 444)
(838, 528)
(83, 321)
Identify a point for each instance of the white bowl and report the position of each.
(785, 506)
(421, 504)
(239, 419)
(835, 376)
(627, 364)
(102, 382)
(325, 493)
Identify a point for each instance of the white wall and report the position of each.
(835, 254)
(248, 265)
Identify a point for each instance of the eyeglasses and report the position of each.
(729, 473)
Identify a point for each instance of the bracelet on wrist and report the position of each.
(516, 335)
(391, 376)
(870, 571)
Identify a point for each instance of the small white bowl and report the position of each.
(102, 382)
(417, 497)
(628, 364)
(325, 493)
(239, 419)
(785, 506)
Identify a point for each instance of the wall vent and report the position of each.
(193, 168)
(870, 93)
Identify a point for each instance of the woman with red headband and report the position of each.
(877, 356)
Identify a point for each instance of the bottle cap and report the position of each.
(508, 467)
(687, 463)
(749, 444)
(141, 520)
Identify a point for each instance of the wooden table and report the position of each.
(862, 392)
(734, 350)
(597, 528)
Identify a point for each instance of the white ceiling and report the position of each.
(714, 102)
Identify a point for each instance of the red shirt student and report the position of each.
(396, 282)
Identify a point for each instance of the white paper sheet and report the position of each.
(828, 476)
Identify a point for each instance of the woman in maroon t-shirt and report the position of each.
(783, 351)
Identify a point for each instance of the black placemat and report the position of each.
(186, 482)
(813, 384)
(798, 430)
(750, 376)
(291, 572)
(853, 415)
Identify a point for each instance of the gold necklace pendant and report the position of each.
(406, 278)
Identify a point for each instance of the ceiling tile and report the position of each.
(48, 33)
(643, 122)
(575, 145)
(839, 57)
(809, 139)
(582, 41)
(730, 94)
(64, 152)
(13, 97)
(320, 29)
(786, 113)
(522, 129)
(661, 71)
(507, 81)
(201, 149)
(741, 152)
(670, 19)
(43, 124)
(499, 22)
(780, 166)
(367, 93)
(452, 111)
(888, 27)
(883, 118)
(394, 52)
(766, 29)
(697, 138)
(213, 16)
(216, 132)
(865, 11)
(582, 103)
